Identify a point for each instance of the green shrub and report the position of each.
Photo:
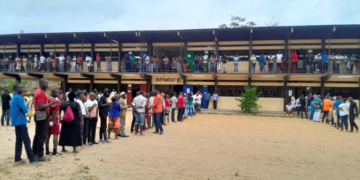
(248, 100)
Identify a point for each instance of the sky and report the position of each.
(41, 16)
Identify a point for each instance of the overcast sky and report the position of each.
(35, 16)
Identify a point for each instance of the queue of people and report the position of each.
(337, 111)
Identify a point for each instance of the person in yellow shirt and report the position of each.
(326, 108)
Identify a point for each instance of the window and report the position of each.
(230, 90)
(271, 91)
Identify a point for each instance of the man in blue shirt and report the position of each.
(317, 104)
(207, 99)
(215, 98)
(336, 105)
(261, 62)
(325, 58)
(196, 63)
(18, 110)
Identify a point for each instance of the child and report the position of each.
(289, 108)
(167, 108)
(114, 118)
(54, 123)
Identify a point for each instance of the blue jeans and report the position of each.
(211, 66)
(253, 66)
(156, 67)
(180, 113)
(167, 66)
(139, 118)
(198, 106)
(196, 67)
(61, 67)
(158, 125)
(7, 112)
(236, 65)
(22, 136)
(146, 68)
(344, 121)
(173, 114)
(190, 110)
(261, 66)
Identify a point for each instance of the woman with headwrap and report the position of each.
(70, 131)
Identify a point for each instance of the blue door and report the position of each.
(205, 88)
(188, 89)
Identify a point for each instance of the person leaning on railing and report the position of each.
(212, 59)
(253, 63)
(272, 61)
(352, 62)
(357, 65)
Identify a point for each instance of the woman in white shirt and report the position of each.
(344, 114)
(74, 62)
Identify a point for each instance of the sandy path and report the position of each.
(207, 146)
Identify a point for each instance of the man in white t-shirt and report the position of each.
(90, 64)
(289, 109)
(147, 61)
(61, 63)
(80, 100)
(174, 101)
(344, 114)
(92, 105)
(198, 99)
(113, 93)
(297, 104)
(279, 57)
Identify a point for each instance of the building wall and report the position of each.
(268, 104)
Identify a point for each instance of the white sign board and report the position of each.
(290, 92)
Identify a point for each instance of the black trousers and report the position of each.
(338, 120)
(180, 114)
(215, 104)
(41, 129)
(303, 109)
(85, 134)
(207, 104)
(22, 136)
(133, 124)
(92, 129)
(98, 66)
(326, 113)
(352, 123)
(103, 127)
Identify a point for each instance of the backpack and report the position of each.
(68, 115)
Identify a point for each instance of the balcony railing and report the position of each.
(286, 66)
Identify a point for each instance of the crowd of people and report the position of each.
(71, 119)
(273, 63)
(344, 110)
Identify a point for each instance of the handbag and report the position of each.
(40, 115)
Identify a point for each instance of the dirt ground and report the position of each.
(207, 146)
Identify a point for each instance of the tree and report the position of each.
(248, 100)
(237, 21)
(275, 21)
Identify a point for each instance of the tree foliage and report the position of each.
(248, 100)
(237, 22)
(275, 21)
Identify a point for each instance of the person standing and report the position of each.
(353, 112)
(178, 64)
(61, 63)
(152, 115)
(253, 63)
(108, 64)
(18, 120)
(167, 109)
(92, 106)
(124, 107)
(327, 106)
(114, 117)
(298, 106)
(68, 63)
(196, 64)
(42, 66)
(98, 63)
(215, 98)
(70, 129)
(325, 58)
(157, 109)
(103, 113)
(133, 112)
(5, 98)
(41, 119)
(218, 63)
(189, 105)
(113, 93)
(185, 106)
(174, 102)
(180, 106)
(54, 124)
(303, 106)
(81, 99)
(198, 99)
(317, 104)
(336, 106)
(344, 114)
(125, 66)
(212, 60)
(293, 63)
(236, 63)
(224, 61)
(279, 57)
(312, 111)
(139, 104)
(90, 64)
(272, 61)
(261, 62)
(207, 96)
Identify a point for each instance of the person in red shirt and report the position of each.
(293, 63)
(54, 123)
(157, 110)
(79, 64)
(98, 62)
(180, 106)
(41, 125)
